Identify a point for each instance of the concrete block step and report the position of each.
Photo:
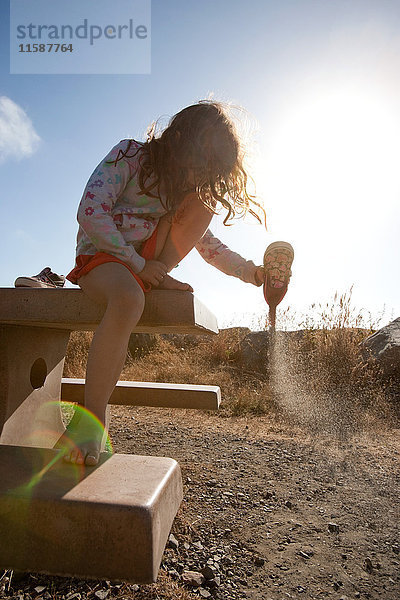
(146, 393)
(110, 521)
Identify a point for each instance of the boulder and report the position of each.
(140, 344)
(252, 353)
(384, 347)
(186, 341)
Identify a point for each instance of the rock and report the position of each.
(102, 594)
(18, 575)
(173, 542)
(141, 344)
(368, 565)
(289, 504)
(252, 353)
(193, 578)
(204, 593)
(40, 588)
(213, 583)
(198, 545)
(235, 332)
(384, 347)
(333, 527)
(217, 558)
(209, 572)
(258, 561)
(182, 342)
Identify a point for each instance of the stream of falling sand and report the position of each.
(304, 395)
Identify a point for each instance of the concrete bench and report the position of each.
(147, 393)
(35, 326)
(109, 521)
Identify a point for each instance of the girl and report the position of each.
(145, 206)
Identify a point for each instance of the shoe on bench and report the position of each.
(45, 279)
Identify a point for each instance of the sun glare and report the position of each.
(335, 149)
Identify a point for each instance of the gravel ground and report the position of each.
(268, 512)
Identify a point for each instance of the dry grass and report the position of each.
(77, 353)
(59, 588)
(337, 313)
(212, 362)
(320, 378)
(165, 588)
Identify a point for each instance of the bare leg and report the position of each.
(176, 237)
(113, 286)
(110, 284)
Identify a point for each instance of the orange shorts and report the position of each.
(87, 262)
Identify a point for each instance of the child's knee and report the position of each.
(127, 300)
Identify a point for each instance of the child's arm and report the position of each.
(220, 256)
(102, 190)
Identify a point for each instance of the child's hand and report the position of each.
(153, 272)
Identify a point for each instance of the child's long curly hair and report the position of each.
(200, 138)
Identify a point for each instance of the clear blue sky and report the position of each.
(321, 83)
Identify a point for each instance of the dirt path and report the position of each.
(260, 502)
(273, 513)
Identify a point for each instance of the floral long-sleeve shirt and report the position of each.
(114, 217)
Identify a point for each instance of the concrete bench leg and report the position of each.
(31, 367)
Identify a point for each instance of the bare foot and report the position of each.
(81, 440)
(169, 283)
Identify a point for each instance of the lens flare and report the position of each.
(83, 427)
